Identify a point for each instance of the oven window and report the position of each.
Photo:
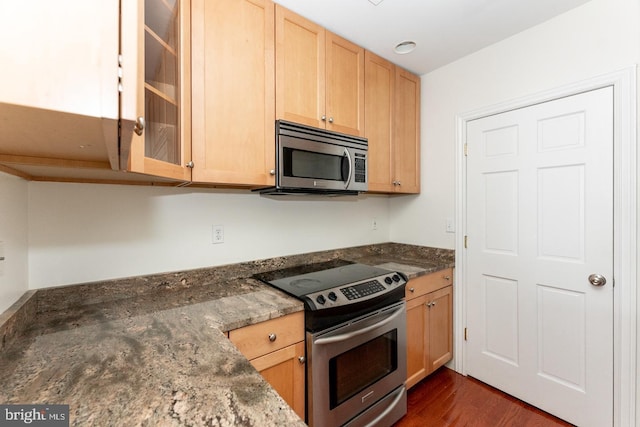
(353, 371)
(309, 164)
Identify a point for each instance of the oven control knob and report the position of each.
(333, 296)
(320, 299)
(388, 280)
(396, 278)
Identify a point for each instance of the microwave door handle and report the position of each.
(348, 181)
(349, 335)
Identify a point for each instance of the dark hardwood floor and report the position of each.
(446, 398)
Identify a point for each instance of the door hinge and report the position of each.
(465, 334)
(466, 152)
(465, 242)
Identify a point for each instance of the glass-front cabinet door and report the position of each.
(155, 100)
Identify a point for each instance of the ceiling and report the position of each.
(444, 30)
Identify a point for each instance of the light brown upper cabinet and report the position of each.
(59, 87)
(233, 92)
(379, 101)
(406, 140)
(81, 79)
(157, 91)
(392, 120)
(319, 76)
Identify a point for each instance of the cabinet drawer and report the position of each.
(428, 283)
(265, 337)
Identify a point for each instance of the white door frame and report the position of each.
(625, 171)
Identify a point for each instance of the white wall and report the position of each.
(596, 38)
(88, 232)
(13, 235)
(599, 37)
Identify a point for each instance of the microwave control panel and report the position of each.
(360, 173)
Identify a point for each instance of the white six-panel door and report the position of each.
(539, 223)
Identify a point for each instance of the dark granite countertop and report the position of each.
(152, 350)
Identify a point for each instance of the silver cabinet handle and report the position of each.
(323, 118)
(428, 304)
(330, 119)
(446, 278)
(302, 360)
(272, 337)
(412, 290)
(272, 172)
(433, 303)
(597, 280)
(139, 127)
(190, 164)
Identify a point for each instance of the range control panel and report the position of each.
(356, 292)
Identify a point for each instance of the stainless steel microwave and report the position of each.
(316, 161)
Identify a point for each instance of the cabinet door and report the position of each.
(59, 86)
(440, 308)
(407, 132)
(417, 340)
(285, 370)
(300, 69)
(156, 87)
(233, 91)
(378, 108)
(345, 86)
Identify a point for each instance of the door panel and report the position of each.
(539, 222)
(234, 112)
(300, 69)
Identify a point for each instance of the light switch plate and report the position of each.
(450, 227)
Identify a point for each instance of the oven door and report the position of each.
(355, 365)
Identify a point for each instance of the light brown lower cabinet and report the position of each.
(276, 349)
(429, 324)
(284, 370)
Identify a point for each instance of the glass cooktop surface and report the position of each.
(302, 280)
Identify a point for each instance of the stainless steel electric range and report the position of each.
(355, 319)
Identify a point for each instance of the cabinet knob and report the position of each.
(139, 127)
(272, 172)
(302, 360)
(412, 290)
(272, 337)
(429, 304)
(330, 119)
(323, 118)
(446, 278)
(190, 164)
(433, 303)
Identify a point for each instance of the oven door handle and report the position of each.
(349, 335)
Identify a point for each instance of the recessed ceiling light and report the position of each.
(405, 47)
(375, 2)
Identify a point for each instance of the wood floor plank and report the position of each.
(446, 398)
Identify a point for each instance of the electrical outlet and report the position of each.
(218, 234)
(374, 224)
